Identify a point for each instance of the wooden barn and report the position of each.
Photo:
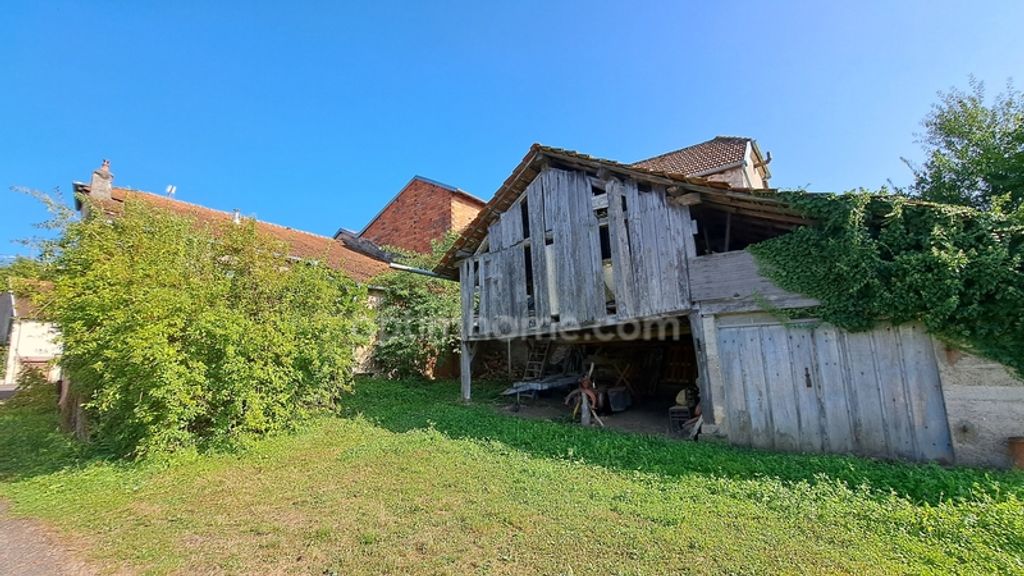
(622, 261)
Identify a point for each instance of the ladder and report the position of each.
(537, 360)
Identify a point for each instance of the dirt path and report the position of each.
(28, 548)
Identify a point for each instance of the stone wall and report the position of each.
(984, 406)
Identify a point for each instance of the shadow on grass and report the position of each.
(31, 443)
(408, 405)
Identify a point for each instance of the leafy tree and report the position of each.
(974, 151)
(44, 245)
(21, 267)
(418, 316)
(179, 335)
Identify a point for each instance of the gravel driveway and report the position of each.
(28, 548)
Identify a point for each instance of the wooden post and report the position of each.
(508, 351)
(584, 408)
(728, 231)
(715, 410)
(466, 368)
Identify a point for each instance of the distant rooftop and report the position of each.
(700, 159)
(301, 244)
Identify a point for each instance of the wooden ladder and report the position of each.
(537, 360)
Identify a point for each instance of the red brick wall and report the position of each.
(420, 213)
(463, 212)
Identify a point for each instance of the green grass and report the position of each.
(409, 481)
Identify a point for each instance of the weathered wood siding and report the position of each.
(815, 389)
(650, 237)
(731, 276)
(658, 234)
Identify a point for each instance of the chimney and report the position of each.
(102, 183)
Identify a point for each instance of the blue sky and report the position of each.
(313, 114)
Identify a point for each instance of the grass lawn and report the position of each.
(409, 481)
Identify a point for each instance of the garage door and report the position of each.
(815, 388)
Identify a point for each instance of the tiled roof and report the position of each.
(305, 245)
(700, 159)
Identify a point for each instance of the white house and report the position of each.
(30, 342)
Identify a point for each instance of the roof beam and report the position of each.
(690, 199)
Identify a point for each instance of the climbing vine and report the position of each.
(883, 257)
(418, 317)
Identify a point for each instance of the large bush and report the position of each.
(179, 334)
(418, 316)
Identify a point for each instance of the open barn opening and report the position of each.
(643, 377)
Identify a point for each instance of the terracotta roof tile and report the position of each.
(305, 245)
(699, 159)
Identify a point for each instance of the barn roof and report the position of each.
(761, 205)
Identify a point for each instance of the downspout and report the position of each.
(404, 268)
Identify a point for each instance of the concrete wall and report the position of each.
(751, 174)
(30, 341)
(745, 176)
(984, 404)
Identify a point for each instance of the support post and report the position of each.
(508, 352)
(584, 408)
(466, 368)
(728, 231)
(714, 384)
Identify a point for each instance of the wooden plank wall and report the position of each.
(729, 275)
(539, 230)
(649, 238)
(626, 298)
(820, 389)
(657, 230)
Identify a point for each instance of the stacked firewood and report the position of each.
(491, 364)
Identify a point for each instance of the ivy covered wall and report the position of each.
(874, 257)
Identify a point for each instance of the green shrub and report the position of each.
(871, 257)
(418, 316)
(32, 377)
(180, 334)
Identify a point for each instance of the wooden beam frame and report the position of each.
(689, 199)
